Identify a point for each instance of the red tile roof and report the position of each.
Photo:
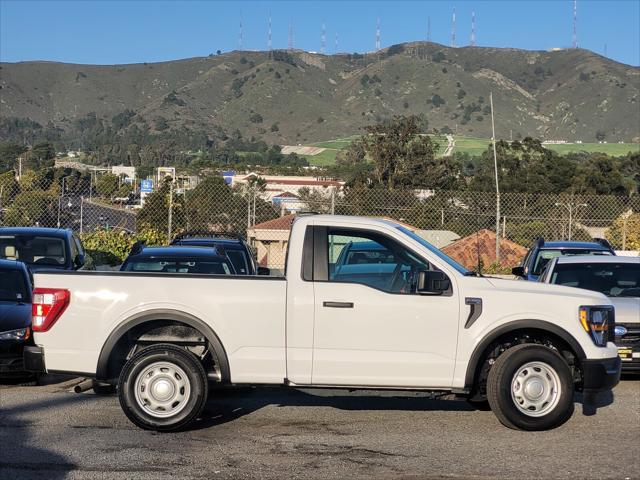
(281, 223)
(465, 250)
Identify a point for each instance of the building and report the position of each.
(277, 185)
(270, 239)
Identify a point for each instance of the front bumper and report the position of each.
(34, 359)
(601, 374)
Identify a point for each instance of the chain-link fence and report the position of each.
(262, 214)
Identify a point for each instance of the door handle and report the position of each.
(337, 304)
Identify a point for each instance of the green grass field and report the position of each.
(473, 146)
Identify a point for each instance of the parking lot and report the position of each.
(48, 432)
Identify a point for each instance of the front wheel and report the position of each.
(163, 387)
(530, 387)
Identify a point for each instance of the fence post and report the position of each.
(333, 200)
(170, 226)
(81, 211)
(504, 226)
(442, 217)
(624, 232)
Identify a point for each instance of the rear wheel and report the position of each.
(163, 387)
(530, 387)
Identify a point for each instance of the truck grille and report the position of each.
(632, 336)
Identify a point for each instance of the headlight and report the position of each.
(21, 334)
(598, 322)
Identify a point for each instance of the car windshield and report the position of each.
(207, 267)
(34, 250)
(442, 256)
(544, 255)
(12, 286)
(612, 279)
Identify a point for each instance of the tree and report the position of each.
(107, 185)
(600, 136)
(625, 230)
(403, 156)
(9, 152)
(34, 208)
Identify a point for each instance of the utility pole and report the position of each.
(240, 34)
(269, 44)
(495, 164)
(473, 29)
(575, 21)
(170, 221)
(378, 35)
(291, 44)
(323, 39)
(335, 43)
(428, 29)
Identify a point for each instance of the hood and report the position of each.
(14, 316)
(520, 286)
(627, 309)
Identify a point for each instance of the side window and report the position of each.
(78, 245)
(74, 248)
(357, 256)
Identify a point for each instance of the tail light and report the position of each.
(47, 306)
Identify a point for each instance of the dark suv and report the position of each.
(542, 252)
(232, 246)
(195, 260)
(42, 248)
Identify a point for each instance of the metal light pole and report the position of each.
(170, 226)
(570, 207)
(495, 163)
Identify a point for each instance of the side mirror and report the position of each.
(78, 262)
(433, 282)
(518, 271)
(264, 271)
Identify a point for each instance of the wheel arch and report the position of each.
(481, 350)
(159, 315)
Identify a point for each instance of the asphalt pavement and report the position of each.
(274, 433)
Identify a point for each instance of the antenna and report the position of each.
(323, 39)
(428, 29)
(335, 43)
(290, 36)
(453, 29)
(378, 35)
(473, 29)
(605, 49)
(269, 44)
(240, 34)
(575, 20)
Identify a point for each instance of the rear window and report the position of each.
(612, 279)
(12, 286)
(545, 255)
(179, 266)
(34, 250)
(239, 261)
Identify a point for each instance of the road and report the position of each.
(451, 143)
(50, 433)
(94, 215)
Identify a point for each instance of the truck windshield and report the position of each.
(12, 286)
(446, 258)
(34, 250)
(612, 279)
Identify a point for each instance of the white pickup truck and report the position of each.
(364, 303)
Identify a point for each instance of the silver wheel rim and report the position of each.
(162, 389)
(536, 389)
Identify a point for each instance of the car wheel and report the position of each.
(530, 387)
(163, 387)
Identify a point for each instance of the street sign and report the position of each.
(146, 186)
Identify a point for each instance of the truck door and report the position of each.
(371, 326)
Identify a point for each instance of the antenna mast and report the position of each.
(269, 44)
(428, 29)
(290, 36)
(323, 39)
(473, 29)
(453, 29)
(335, 43)
(575, 20)
(240, 34)
(378, 35)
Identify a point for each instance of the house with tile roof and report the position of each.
(483, 244)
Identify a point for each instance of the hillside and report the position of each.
(291, 97)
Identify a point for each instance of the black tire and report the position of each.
(499, 388)
(192, 404)
(103, 388)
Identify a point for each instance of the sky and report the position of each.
(124, 31)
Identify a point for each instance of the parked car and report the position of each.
(539, 255)
(15, 317)
(42, 248)
(523, 346)
(230, 245)
(619, 279)
(202, 260)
